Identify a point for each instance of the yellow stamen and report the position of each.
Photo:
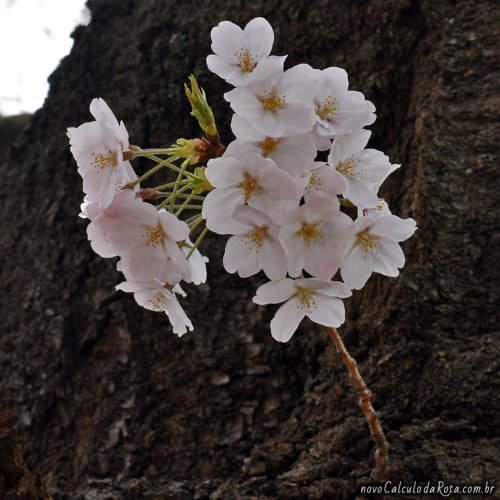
(347, 167)
(314, 183)
(257, 236)
(369, 242)
(273, 101)
(158, 302)
(154, 235)
(249, 186)
(268, 146)
(247, 61)
(311, 234)
(101, 161)
(328, 108)
(305, 298)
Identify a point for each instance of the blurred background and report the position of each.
(34, 36)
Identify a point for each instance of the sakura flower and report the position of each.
(98, 149)
(363, 169)
(279, 105)
(381, 208)
(197, 267)
(317, 299)
(374, 248)
(314, 236)
(294, 154)
(255, 246)
(154, 296)
(251, 180)
(339, 111)
(324, 182)
(148, 241)
(242, 56)
(103, 220)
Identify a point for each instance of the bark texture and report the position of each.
(113, 405)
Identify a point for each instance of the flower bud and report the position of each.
(200, 108)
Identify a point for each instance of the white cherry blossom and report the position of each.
(363, 169)
(280, 105)
(98, 149)
(339, 111)
(314, 236)
(255, 246)
(324, 182)
(148, 242)
(295, 154)
(154, 296)
(317, 299)
(251, 180)
(374, 248)
(242, 56)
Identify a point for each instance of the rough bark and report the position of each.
(113, 405)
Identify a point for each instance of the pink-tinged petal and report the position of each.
(324, 287)
(360, 193)
(173, 227)
(273, 259)
(246, 104)
(244, 131)
(224, 172)
(226, 226)
(178, 318)
(333, 84)
(298, 117)
(393, 253)
(132, 286)
(383, 265)
(237, 149)
(250, 217)
(349, 144)
(327, 311)
(227, 40)
(299, 83)
(260, 37)
(227, 71)
(237, 252)
(268, 123)
(220, 204)
(267, 71)
(99, 242)
(249, 267)
(321, 260)
(356, 268)
(294, 248)
(286, 321)
(393, 227)
(275, 292)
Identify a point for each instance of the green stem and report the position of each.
(185, 204)
(170, 184)
(197, 242)
(167, 200)
(171, 166)
(184, 166)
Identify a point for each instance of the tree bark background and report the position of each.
(113, 405)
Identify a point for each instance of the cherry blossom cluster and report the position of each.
(296, 191)
(151, 242)
(279, 203)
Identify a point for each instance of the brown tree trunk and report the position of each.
(112, 403)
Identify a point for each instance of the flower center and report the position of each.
(347, 167)
(154, 235)
(311, 234)
(257, 236)
(268, 146)
(273, 101)
(158, 301)
(314, 183)
(101, 161)
(247, 61)
(328, 108)
(249, 186)
(368, 241)
(305, 298)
